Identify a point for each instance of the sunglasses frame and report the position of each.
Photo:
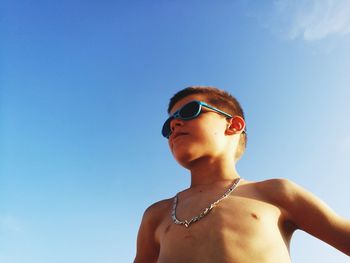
(177, 115)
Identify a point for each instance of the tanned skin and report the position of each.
(254, 224)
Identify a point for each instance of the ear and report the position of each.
(235, 125)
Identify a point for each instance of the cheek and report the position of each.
(216, 139)
(213, 134)
(208, 141)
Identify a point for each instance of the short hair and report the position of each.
(220, 99)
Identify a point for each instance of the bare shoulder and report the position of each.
(308, 212)
(155, 212)
(277, 191)
(147, 242)
(279, 186)
(154, 215)
(284, 194)
(289, 195)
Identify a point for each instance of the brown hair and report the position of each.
(220, 99)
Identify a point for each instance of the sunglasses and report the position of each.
(189, 111)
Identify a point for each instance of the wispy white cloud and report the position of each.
(313, 19)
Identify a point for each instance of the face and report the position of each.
(197, 138)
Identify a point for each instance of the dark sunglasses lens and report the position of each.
(166, 128)
(190, 110)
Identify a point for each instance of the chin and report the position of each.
(185, 158)
(184, 162)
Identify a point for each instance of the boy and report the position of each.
(221, 217)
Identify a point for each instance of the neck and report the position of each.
(209, 172)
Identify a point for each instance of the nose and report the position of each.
(174, 123)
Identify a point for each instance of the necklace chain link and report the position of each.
(206, 211)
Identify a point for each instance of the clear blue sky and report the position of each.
(84, 87)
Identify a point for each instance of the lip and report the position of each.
(177, 134)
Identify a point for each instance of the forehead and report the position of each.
(186, 100)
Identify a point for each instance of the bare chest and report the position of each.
(235, 228)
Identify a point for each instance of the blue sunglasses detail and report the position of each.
(189, 111)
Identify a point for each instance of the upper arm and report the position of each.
(312, 215)
(147, 248)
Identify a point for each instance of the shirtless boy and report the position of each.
(248, 221)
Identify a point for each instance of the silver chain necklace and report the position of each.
(206, 211)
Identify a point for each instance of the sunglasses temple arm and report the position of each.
(213, 108)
